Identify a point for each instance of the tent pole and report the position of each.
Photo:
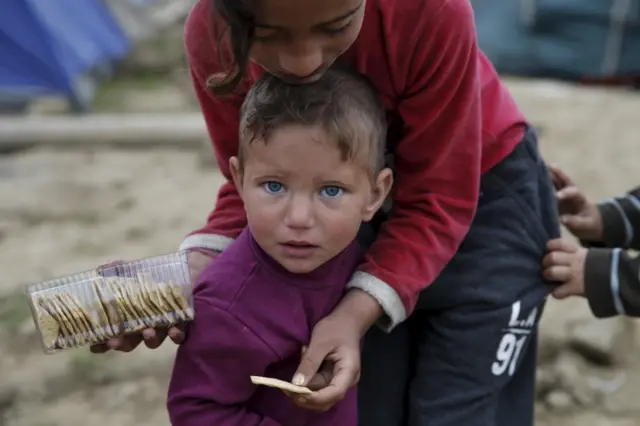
(177, 130)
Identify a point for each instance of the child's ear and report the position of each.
(236, 174)
(381, 189)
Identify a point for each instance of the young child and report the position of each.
(310, 170)
(601, 270)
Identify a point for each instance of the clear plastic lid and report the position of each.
(93, 306)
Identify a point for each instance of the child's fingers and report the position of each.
(561, 244)
(557, 273)
(560, 179)
(577, 223)
(572, 193)
(557, 258)
(562, 292)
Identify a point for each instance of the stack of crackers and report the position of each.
(105, 307)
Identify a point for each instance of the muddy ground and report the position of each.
(61, 212)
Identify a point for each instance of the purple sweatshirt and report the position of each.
(252, 318)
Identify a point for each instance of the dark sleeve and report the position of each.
(612, 284)
(211, 376)
(621, 220)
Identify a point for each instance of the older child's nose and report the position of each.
(302, 63)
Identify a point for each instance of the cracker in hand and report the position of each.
(280, 384)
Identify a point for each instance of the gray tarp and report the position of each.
(561, 38)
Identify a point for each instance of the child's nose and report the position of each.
(299, 213)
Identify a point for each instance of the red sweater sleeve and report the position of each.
(438, 162)
(221, 115)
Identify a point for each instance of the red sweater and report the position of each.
(451, 120)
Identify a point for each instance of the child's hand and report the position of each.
(564, 263)
(559, 178)
(577, 213)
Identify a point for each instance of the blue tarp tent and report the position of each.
(46, 46)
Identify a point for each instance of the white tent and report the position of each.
(142, 19)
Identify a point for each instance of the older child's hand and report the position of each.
(577, 213)
(564, 263)
(330, 365)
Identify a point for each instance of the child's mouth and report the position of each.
(298, 249)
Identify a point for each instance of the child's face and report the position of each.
(304, 204)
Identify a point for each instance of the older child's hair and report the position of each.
(238, 29)
(343, 103)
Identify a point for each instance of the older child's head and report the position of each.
(310, 167)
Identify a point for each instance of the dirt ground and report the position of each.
(69, 211)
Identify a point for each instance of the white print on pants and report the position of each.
(513, 340)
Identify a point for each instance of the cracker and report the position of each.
(148, 294)
(131, 323)
(181, 300)
(78, 333)
(47, 304)
(47, 310)
(85, 318)
(113, 305)
(127, 291)
(165, 307)
(121, 317)
(90, 320)
(119, 285)
(102, 323)
(168, 297)
(135, 291)
(49, 328)
(162, 303)
(280, 384)
(114, 323)
(75, 316)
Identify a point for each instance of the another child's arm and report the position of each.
(211, 375)
(611, 223)
(608, 278)
(621, 220)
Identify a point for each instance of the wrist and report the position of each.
(360, 309)
(613, 227)
(207, 252)
(599, 226)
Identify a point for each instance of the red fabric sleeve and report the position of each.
(222, 119)
(438, 162)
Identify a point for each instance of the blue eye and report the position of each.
(331, 191)
(273, 187)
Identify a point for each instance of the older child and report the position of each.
(602, 271)
(310, 171)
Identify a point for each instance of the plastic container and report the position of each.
(93, 306)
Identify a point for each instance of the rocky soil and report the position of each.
(62, 212)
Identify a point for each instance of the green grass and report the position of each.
(111, 94)
(14, 310)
